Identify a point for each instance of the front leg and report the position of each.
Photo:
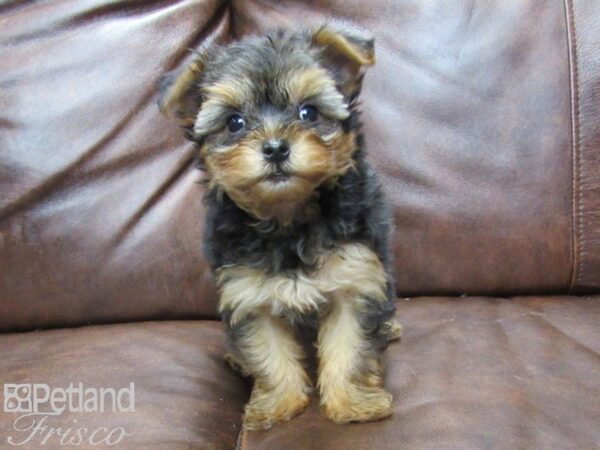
(352, 335)
(350, 368)
(266, 346)
(263, 346)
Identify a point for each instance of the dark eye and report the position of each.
(235, 123)
(308, 113)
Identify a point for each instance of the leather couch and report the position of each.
(483, 118)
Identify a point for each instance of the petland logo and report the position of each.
(38, 404)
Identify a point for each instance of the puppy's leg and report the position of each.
(350, 370)
(266, 346)
(263, 344)
(352, 335)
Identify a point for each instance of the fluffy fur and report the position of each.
(302, 241)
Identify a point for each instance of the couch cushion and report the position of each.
(468, 116)
(185, 394)
(475, 373)
(100, 206)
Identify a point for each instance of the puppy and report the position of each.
(297, 228)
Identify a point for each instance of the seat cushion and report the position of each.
(185, 394)
(474, 373)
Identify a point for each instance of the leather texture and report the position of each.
(583, 21)
(475, 373)
(488, 156)
(186, 396)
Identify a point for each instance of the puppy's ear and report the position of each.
(179, 94)
(346, 55)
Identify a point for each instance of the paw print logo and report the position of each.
(17, 398)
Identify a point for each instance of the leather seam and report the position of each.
(577, 230)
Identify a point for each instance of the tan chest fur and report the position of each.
(349, 271)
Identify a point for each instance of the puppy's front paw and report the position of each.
(358, 403)
(266, 407)
(235, 364)
(392, 329)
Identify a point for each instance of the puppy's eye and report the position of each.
(235, 123)
(308, 113)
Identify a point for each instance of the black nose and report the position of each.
(276, 150)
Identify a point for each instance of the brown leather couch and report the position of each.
(483, 118)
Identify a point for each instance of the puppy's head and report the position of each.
(268, 114)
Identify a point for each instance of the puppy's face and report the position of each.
(268, 113)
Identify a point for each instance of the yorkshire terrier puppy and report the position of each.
(297, 227)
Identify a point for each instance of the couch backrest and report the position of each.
(483, 119)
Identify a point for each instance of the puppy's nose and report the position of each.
(276, 150)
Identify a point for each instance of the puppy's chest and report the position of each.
(344, 272)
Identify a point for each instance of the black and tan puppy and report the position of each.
(297, 228)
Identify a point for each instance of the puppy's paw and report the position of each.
(266, 408)
(393, 330)
(235, 364)
(358, 404)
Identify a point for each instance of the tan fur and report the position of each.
(173, 102)
(224, 95)
(233, 93)
(245, 290)
(326, 37)
(350, 374)
(240, 171)
(353, 269)
(393, 330)
(315, 84)
(349, 56)
(274, 359)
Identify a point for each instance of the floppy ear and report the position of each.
(346, 55)
(179, 95)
